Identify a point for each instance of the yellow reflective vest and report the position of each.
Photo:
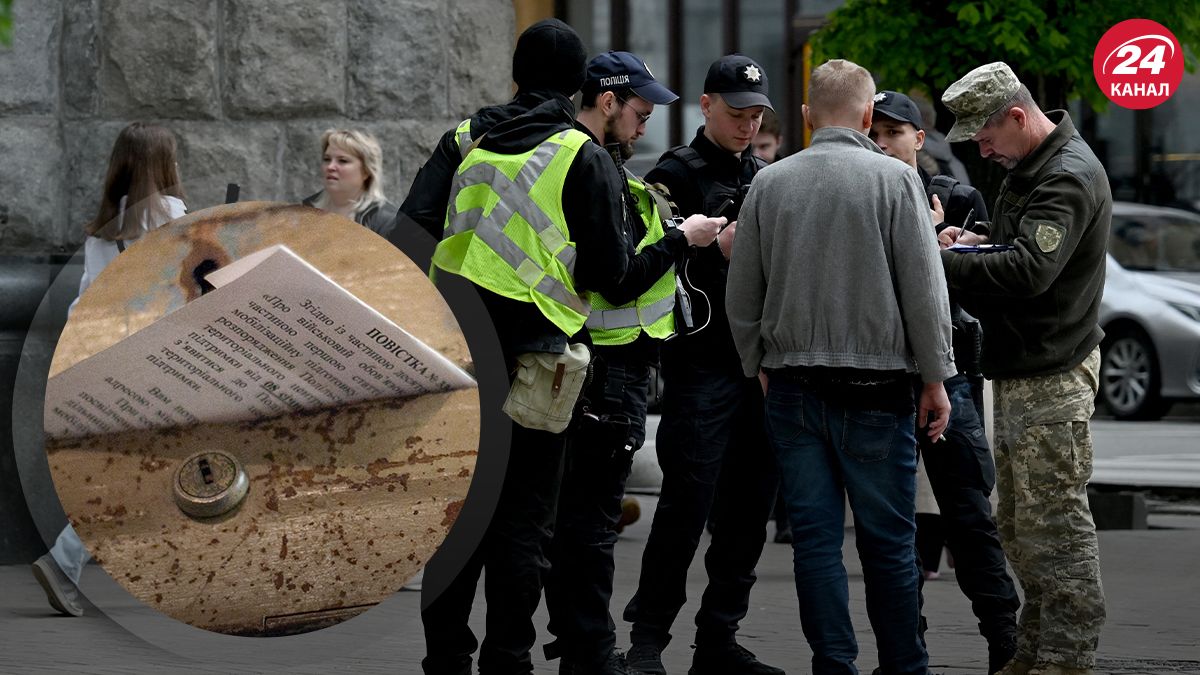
(654, 310)
(505, 229)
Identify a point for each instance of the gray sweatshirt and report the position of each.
(835, 263)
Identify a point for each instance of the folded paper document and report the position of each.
(275, 336)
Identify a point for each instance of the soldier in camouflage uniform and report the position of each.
(1038, 302)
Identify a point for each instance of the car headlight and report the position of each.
(1190, 311)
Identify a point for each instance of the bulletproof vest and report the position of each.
(715, 192)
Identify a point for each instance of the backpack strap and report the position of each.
(686, 154)
(662, 199)
(943, 186)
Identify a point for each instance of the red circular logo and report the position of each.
(1138, 64)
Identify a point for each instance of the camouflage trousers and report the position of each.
(1043, 463)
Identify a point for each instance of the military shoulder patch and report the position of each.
(1049, 236)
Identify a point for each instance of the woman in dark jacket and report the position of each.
(352, 167)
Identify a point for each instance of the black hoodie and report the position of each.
(591, 203)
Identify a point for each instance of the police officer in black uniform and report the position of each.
(711, 438)
(961, 469)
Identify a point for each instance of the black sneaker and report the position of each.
(645, 659)
(613, 665)
(729, 659)
(1000, 652)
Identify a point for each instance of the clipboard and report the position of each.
(981, 248)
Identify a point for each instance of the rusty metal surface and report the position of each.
(344, 505)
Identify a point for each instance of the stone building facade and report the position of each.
(246, 85)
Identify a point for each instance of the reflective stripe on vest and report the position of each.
(653, 311)
(463, 136)
(531, 273)
(629, 317)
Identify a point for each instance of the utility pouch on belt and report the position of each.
(604, 435)
(546, 388)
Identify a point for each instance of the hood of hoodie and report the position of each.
(524, 122)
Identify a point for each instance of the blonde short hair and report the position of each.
(839, 87)
(364, 146)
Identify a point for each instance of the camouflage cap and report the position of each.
(976, 96)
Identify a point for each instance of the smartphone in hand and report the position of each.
(726, 210)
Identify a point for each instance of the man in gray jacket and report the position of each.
(833, 297)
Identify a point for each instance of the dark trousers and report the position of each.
(580, 584)
(710, 440)
(512, 558)
(963, 474)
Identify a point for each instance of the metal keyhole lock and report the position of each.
(210, 483)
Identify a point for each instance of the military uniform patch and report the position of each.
(1049, 237)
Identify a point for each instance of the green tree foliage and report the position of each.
(5, 23)
(928, 44)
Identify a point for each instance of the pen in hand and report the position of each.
(966, 226)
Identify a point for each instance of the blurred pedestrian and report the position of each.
(141, 192)
(769, 140)
(352, 170)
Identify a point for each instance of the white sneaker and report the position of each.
(60, 591)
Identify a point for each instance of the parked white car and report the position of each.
(1151, 311)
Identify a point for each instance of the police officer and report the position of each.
(531, 244)
(626, 325)
(961, 470)
(1038, 303)
(711, 437)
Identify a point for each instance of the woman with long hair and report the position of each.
(352, 169)
(141, 192)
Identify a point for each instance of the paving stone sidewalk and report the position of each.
(1150, 578)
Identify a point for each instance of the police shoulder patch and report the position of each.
(1049, 237)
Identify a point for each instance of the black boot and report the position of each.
(646, 659)
(1000, 651)
(613, 665)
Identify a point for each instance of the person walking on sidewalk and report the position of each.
(1038, 303)
(626, 325)
(835, 296)
(710, 438)
(142, 191)
(960, 470)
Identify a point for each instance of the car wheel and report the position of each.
(1130, 384)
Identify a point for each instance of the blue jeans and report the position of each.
(826, 451)
(70, 554)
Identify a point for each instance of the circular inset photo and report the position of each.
(261, 419)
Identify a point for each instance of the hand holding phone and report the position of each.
(728, 211)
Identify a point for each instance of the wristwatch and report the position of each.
(673, 223)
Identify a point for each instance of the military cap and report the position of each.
(975, 97)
